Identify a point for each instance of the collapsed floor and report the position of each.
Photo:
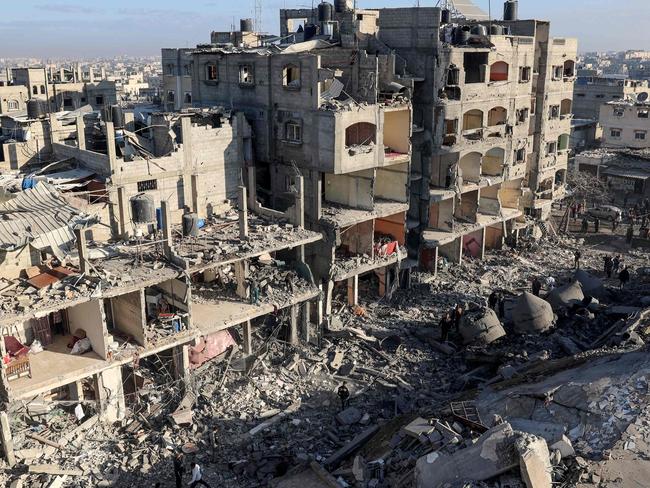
(274, 418)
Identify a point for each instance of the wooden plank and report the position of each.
(54, 469)
(43, 440)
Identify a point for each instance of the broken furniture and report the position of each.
(16, 362)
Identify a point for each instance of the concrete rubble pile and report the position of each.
(527, 399)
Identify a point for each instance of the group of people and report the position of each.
(613, 266)
(451, 319)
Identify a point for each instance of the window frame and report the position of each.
(251, 75)
(611, 133)
(293, 132)
(640, 135)
(208, 71)
(13, 105)
(286, 69)
(644, 111)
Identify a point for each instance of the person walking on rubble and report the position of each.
(445, 326)
(596, 225)
(344, 396)
(502, 305)
(624, 277)
(197, 477)
(458, 315)
(255, 292)
(537, 286)
(609, 266)
(616, 264)
(179, 469)
(585, 225)
(576, 259)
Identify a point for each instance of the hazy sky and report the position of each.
(58, 28)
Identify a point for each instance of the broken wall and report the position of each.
(391, 183)
(352, 190)
(128, 315)
(89, 317)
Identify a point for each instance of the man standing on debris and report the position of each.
(537, 286)
(609, 266)
(585, 225)
(616, 222)
(596, 225)
(576, 259)
(179, 469)
(502, 305)
(197, 477)
(493, 299)
(630, 234)
(458, 315)
(255, 292)
(344, 395)
(616, 264)
(445, 325)
(624, 277)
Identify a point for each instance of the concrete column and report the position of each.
(110, 146)
(384, 286)
(110, 394)
(103, 73)
(122, 210)
(166, 228)
(318, 198)
(62, 75)
(80, 235)
(300, 254)
(55, 133)
(242, 272)
(76, 391)
(299, 208)
(91, 73)
(252, 189)
(243, 213)
(304, 323)
(181, 355)
(320, 308)
(194, 191)
(353, 290)
(483, 235)
(328, 303)
(247, 337)
(129, 120)
(81, 133)
(293, 325)
(7, 440)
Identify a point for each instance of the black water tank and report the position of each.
(246, 25)
(36, 109)
(445, 16)
(510, 10)
(342, 5)
(117, 116)
(462, 34)
(496, 30)
(325, 12)
(311, 31)
(190, 224)
(479, 30)
(143, 210)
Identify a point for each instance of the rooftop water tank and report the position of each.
(343, 5)
(143, 210)
(510, 10)
(246, 25)
(190, 224)
(36, 109)
(325, 12)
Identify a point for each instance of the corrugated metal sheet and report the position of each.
(40, 216)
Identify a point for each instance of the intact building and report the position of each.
(591, 92)
(626, 123)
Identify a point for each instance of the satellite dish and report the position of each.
(642, 97)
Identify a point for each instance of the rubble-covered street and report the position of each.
(572, 398)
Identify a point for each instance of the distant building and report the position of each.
(626, 123)
(593, 91)
(176, 89)
(13, 99)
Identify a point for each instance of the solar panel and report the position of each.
(469, 10)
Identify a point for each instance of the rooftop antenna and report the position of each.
(258, 15)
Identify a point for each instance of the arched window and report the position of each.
(470, 167)
(13, 105)
(291, 76)
(569, 68)
(565, 107)
(473, 119)
(42, 89)
(497, 116)
(493, 162)
(35, 90)
(499, 71)
(361, 134)
(188, 97)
